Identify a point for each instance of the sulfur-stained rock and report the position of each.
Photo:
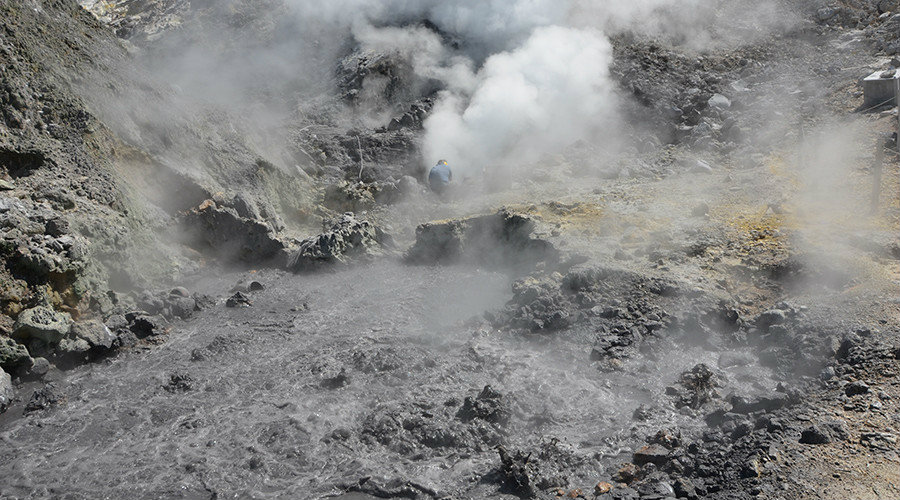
(627, 473)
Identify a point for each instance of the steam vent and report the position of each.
(531, 249)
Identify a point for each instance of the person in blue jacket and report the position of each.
(440, 177)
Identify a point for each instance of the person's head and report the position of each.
(442, 162)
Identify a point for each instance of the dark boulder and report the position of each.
(502, 239)
(246, 286)
(144, 325)
(488, 406)
(35, 368)
(227, 235)
(12, 354)
(656, 490)
(856, 388)
(73, 349)
(627, 473)
(815, 435)
(651, 454)
(517, 472)
(94, 333)
(238, 300)
(181, 307)
(43, 399)
(346, 239)
(698, 387)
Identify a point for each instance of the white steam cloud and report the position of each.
(550, 92)
(520, 78)
(530, 76)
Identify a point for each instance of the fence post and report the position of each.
(876, 176)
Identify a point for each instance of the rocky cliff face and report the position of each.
(67, 214)
(100, 168)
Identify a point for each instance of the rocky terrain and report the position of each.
(224, 275)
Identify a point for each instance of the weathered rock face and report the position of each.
(94, 333)
(502, 240)
(51, 151)
(226, 234)
(369, 75)
(359, 196)
(345, 240)
(42, 323)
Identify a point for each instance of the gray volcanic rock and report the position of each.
(502, 239)
(238, 300)
(12, 354)
(42, 323)
(6, 390)
(230, 236)
(698, 387)
(346, 239)
(95, 333)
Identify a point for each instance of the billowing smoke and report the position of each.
(518, 78)
(530, 77)
(542, 96)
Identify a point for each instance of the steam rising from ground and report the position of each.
(550, 92)
(520, 77)
(542, 79)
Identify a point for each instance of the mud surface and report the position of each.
(323, 381)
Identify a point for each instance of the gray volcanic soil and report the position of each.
(331, 378)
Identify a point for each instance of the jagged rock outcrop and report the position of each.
(502, 239)
(346, 239)
(222, 231)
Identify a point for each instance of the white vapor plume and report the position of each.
(552, 91)
(530, 76)
(518, 78)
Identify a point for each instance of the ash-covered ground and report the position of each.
(667, 265)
